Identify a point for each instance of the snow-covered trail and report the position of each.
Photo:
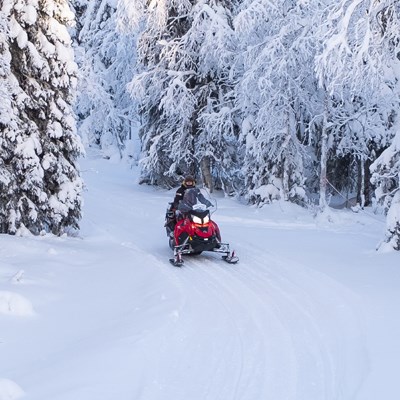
(238, 332)
(114, 320)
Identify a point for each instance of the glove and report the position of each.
(171, 214)
(178, 214)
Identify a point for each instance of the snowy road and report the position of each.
(299, 318)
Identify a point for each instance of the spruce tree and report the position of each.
(275, 93)
(40, 185)
(186, 52)
(106, 58)
(386, 177)
(362, 53)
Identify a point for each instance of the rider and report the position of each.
(191, 198)
(193, 201)
(188, 183)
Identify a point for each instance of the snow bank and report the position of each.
(14, 304)
(9, 390)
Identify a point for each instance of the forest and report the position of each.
(291, 100)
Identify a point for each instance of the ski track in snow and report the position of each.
(283, 348)
(269, 327)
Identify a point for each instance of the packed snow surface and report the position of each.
(311, 311)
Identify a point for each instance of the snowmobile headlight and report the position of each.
(206, 219)
(197, 220)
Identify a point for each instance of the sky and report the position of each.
(310, 312)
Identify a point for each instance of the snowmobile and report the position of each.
(191, 230)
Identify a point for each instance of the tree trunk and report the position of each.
(324, 157)
(367, 182)
(363, 184)
(362, 188)
(205, 165)
(285, 172)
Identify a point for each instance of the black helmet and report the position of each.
(189, 181)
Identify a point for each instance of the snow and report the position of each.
(15, 304)
(46, 47)
(9, 390)
(309, 313)
(29, 14)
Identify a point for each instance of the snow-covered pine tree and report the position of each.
(362, 53)
(214, 47)
(106, 57)
(11, 96)
(360, 112)
(40, 185)
(386, 177)
(360, 130)
(153, 24)
(185, 49)
(276, 93)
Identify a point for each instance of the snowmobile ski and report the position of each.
(176, 263)
(231, 258)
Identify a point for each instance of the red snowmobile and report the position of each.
(191, 230)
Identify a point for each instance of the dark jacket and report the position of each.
(193, 197)
(179, 196)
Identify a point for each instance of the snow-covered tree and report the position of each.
(276, 94)
(353, 69)
(386, 177)
(10, 96)
(40, 187)
(361, 52)
(106, 58)
(186, 52)
(211, 38)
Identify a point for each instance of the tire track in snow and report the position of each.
(244, 317)
(329, 345)
(307, 355)
(197, 334)
(264, 337)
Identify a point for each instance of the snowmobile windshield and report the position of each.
(196, 199)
